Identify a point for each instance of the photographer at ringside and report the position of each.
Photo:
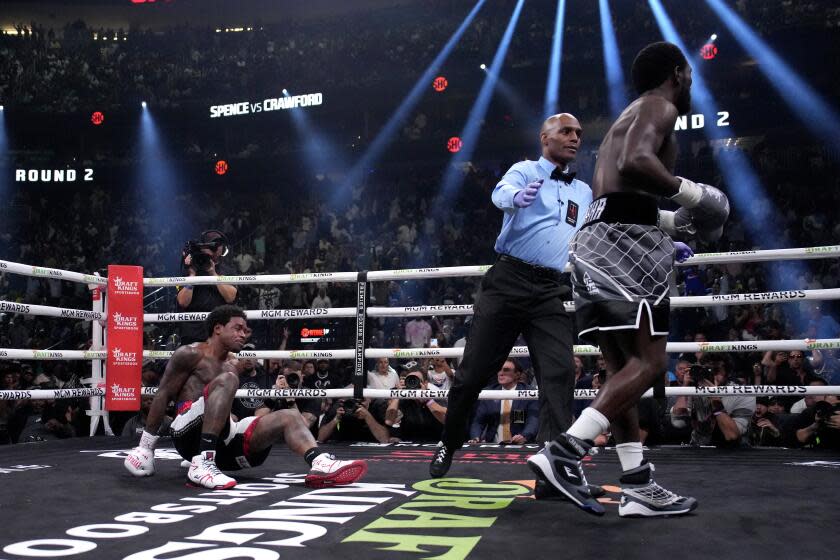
(417, 419)
(310, 409)
(355, 420)
(818, 426)
(201, 258)
(722, 421)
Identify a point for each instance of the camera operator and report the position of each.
(201, 258)
(720, 421)
(417, 419)
(275, 367)
(310, 409)
(819, 425)
(355, 420)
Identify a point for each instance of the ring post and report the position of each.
(359, 378)
(97, 380)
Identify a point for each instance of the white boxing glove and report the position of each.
(709, 207)
(677, 225)
(141, 460)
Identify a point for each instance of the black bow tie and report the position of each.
(558, 175)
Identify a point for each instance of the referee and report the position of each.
(522, 292)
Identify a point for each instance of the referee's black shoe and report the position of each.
(559, 464)
(441, 461)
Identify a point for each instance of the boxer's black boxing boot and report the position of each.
(545, 491)
(559, 464)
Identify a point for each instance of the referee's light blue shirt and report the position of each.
(540, 234)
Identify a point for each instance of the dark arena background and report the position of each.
(344, 153)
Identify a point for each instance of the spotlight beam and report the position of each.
(552, 86)
(318, 151)
(158, 182)
(519, 107)
(744, 187)
(453, 176)
(391, 128)
(808, 105)
(612, 62)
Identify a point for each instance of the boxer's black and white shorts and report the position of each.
(619, 270)
(233, 451)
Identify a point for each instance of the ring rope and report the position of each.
(52, 273)
(828, 251)
(783, 296)
(456, 352)
(425, 394)
(49, 311)
(268, 314)
(586, 394)
(302, 278)
(73, 355)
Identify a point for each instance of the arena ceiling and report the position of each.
(166, 13)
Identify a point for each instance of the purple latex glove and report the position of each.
(682, 251)
(527, 196)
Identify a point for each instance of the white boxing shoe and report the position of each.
(328, 471)
(642, 497)
(204, 472)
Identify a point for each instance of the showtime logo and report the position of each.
(120, 393)
(312, 335)
(126, 288)
(121, 322)
(124, 358)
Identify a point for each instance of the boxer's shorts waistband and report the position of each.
(623, 208)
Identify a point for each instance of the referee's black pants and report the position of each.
(516, 298)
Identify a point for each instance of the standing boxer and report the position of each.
(623, 260)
